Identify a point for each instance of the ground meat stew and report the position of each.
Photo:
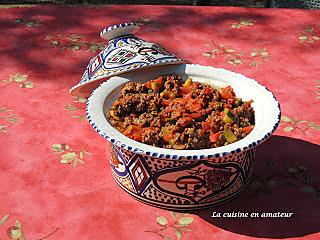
(170, 113)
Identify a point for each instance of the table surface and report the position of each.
(55, 182)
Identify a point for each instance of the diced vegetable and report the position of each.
(193, 107)
(165, 130)
(134, 132)
(187, 96)
(156, 86)
(229, 136)
(172, 95)
(207, 91)
(171, 142)
(180, 100)
(185, 121)
(247, 129)
(168, 119)
(167, 137)
(159, 80)
(239, 101)
(214, 137)
(165, 102)
(113, 115)
(119, 126)
(137, 135)
(176, 114)
(128, 131)
(188, 83)
(206, 126)
(167, 94)
(194, 115)
(148, 85)
(167, 134)
(184, 91)
(136, 121)
(228, 116)
(227, 92)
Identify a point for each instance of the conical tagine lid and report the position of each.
(124, 52)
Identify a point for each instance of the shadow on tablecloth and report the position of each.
(23, 43)
(286, 179)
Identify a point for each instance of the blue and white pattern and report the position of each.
(182, 184)
(124, 52)
(185, 179)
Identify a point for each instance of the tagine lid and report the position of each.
(124, 53)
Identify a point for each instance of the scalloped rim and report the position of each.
(105, 129)
(128, 28)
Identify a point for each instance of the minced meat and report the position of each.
(171, 113)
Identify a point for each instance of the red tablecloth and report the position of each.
(55, 182)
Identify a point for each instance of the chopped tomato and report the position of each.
(185, 121)
(207, 91)
(188, 95)
(227, 105)
(205, 126)
(134, 132)
(180, 100)
(137, 135)
(184, 90)
(167, 137)
(195, 107)
(205, 111)
(165, 102)
(247, 129)
(227, 92)
(148, 85)
(158, 80)
(193, 115)
(156, 86)
(127, 132)
(214, 137)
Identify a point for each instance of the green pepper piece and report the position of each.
(165, 130)
(239, 101)
(229, 136)
(165, 94)
(228, 116)
(188, 82)
(155, 86)
(171, 142)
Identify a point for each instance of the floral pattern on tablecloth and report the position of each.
(254, 58)
(19, 79)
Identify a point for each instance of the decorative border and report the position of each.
(121, 25)
(183, 207)
(112, 33)
(156, 154)
(118, 30)
(128, 69)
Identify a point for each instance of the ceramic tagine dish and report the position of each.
(171, 178)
